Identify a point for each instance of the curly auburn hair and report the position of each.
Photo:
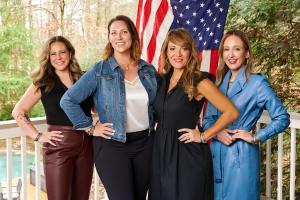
(183, 38)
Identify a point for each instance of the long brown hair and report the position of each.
(44, 74)
(223, 68)
(135, 51)
(183, 38)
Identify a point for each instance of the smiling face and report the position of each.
(59, 56)
(120, 37)
(234, 53)
(178, 55)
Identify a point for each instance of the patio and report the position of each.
(9, 131)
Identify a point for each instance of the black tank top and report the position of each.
(54, 113)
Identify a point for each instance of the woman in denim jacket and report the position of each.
(123, 88)
(235, 150)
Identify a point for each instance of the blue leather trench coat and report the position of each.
(237, 166)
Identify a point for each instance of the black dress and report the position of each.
(180, 171)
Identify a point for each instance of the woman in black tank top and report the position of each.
(68, 154)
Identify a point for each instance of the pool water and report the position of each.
(16, 165)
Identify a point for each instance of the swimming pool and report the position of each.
(16, 165)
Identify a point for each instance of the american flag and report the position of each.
(204, 19)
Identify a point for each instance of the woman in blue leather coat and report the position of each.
(235, 150)
(123, 88)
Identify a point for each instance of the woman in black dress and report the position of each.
(182, 163)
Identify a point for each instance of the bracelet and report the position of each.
(39, 134)
(202, 138)
(255, 139)
(91, 130)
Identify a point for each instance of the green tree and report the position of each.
(273, 28)
(16, 53)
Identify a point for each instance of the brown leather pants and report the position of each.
(69, 165)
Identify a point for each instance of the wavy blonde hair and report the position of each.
(223, 68)
(183, 38)
(44, 74)
(135, 50)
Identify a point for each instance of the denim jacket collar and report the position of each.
(113, 63)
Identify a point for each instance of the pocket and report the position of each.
(107, 83)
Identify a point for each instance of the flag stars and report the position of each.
(207, 29)
(211, 34)
(216, 41)
(194, 14)
(187, 7)
(187, 22)
(201, 20)
(214, 19)
(194, 29)
(221, 9)
(219, 25)
(217, 4)
(177, 21)
(209, 12)
(175, 7)
(202, 5)
(181, 15)
(200, 38)
(204, 43)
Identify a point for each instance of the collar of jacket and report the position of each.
(237, 85)
(113, 63)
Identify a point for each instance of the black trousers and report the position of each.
(124, 168)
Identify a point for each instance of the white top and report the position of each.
(136, 106)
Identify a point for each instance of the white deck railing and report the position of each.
(9, 130)
(295, 124)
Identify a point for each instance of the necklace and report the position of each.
(175, 79)
(126, 68)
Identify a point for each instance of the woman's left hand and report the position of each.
(243, 135)
(189, 135)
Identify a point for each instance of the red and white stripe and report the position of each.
(154, 19)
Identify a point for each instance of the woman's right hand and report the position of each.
(50, 137)
(225, 136)
(104, 130)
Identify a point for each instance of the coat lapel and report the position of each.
(224, 85)
(238, 83)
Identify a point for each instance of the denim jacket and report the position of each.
(105, 81)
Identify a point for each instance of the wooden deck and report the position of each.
(31, 192)
(30, 189)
